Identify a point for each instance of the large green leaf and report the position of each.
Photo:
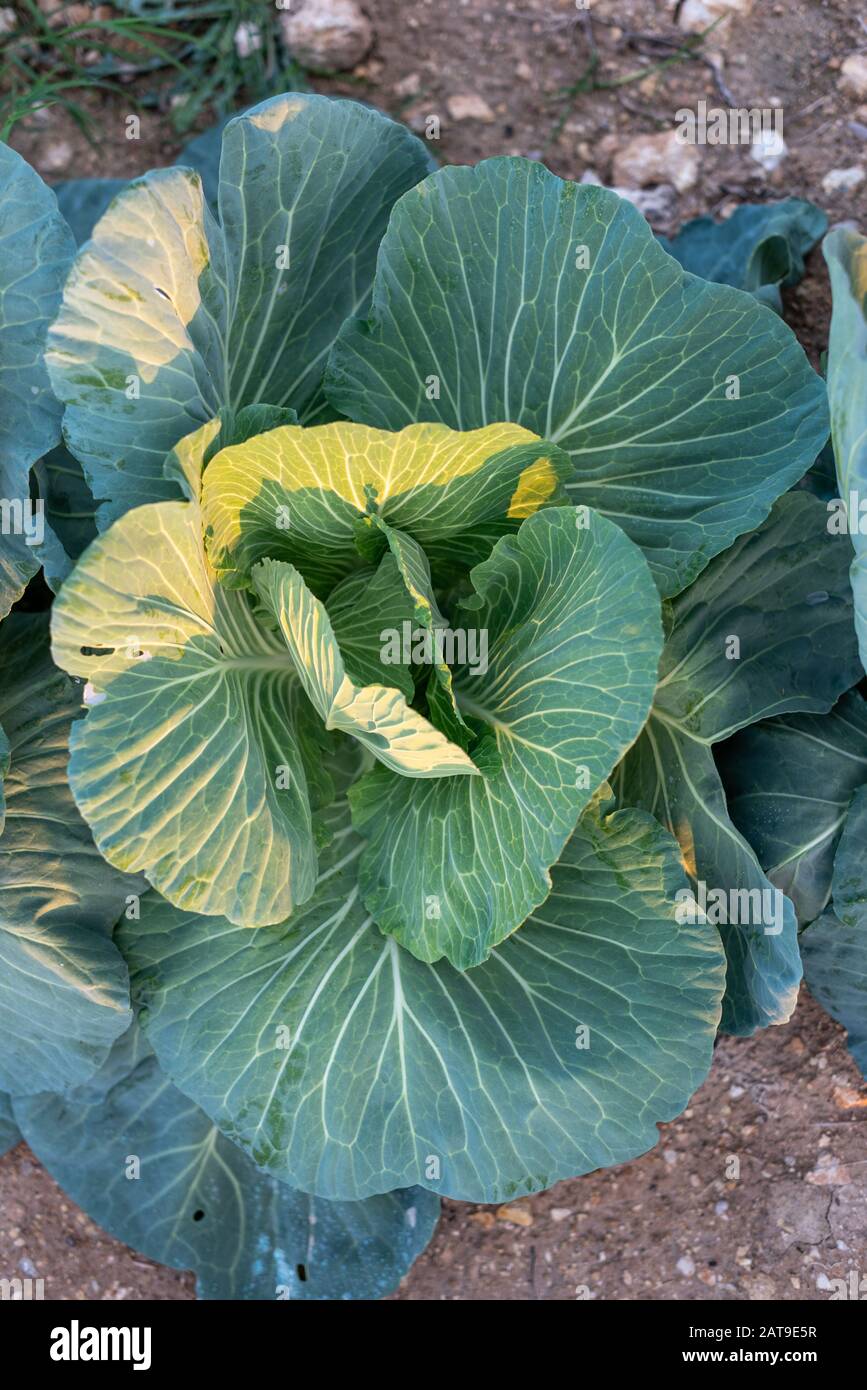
(199, 1203)
(9, 1131)
(846, 254)
(571, 620)
(531, 299)
(835, 947)
(311, 496)
(782, 595)
(199, 315)
(36, 248)
(347, 1066)
(788, 783)
(63, 986)
(194, 764)
(378, 716)
(760, 248)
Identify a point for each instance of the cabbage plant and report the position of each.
(365, 840)
(798, 785)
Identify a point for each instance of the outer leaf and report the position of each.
(10, 1134)
(759, 248)
(393, 1063)
(63, 986)
(789, 782)
(783, 594)
(37, 248)
(846, 254)
(199, 1203)
(207, 316)
(376, 715)
(574, 637)
(192, 767)
(305, 495)
(627, 364)
(835, 947)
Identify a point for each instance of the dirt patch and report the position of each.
(785, 1111)
(788, 1105)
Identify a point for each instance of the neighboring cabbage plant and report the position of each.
(797, 790)
(798, 785)
(444, 530)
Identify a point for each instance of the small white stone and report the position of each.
(769, 150)
(853, 75)
(686, 1266)
(57, 158)
(698, 14)
(843, 180)
(248, 39)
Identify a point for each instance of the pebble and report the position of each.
(686, 1266)
(515, 1215)
(248, 39)
(57, 158)
(561, 1213)
(468, 106)
(853, 75)
(649, 159)
(485, 1219)
(769, 151)
(848, 1097)
(408, 86)
(327, 35)
(843, 181)
(829, 1172)
(698, 14)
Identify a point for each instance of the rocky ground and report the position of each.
(760, 1189)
